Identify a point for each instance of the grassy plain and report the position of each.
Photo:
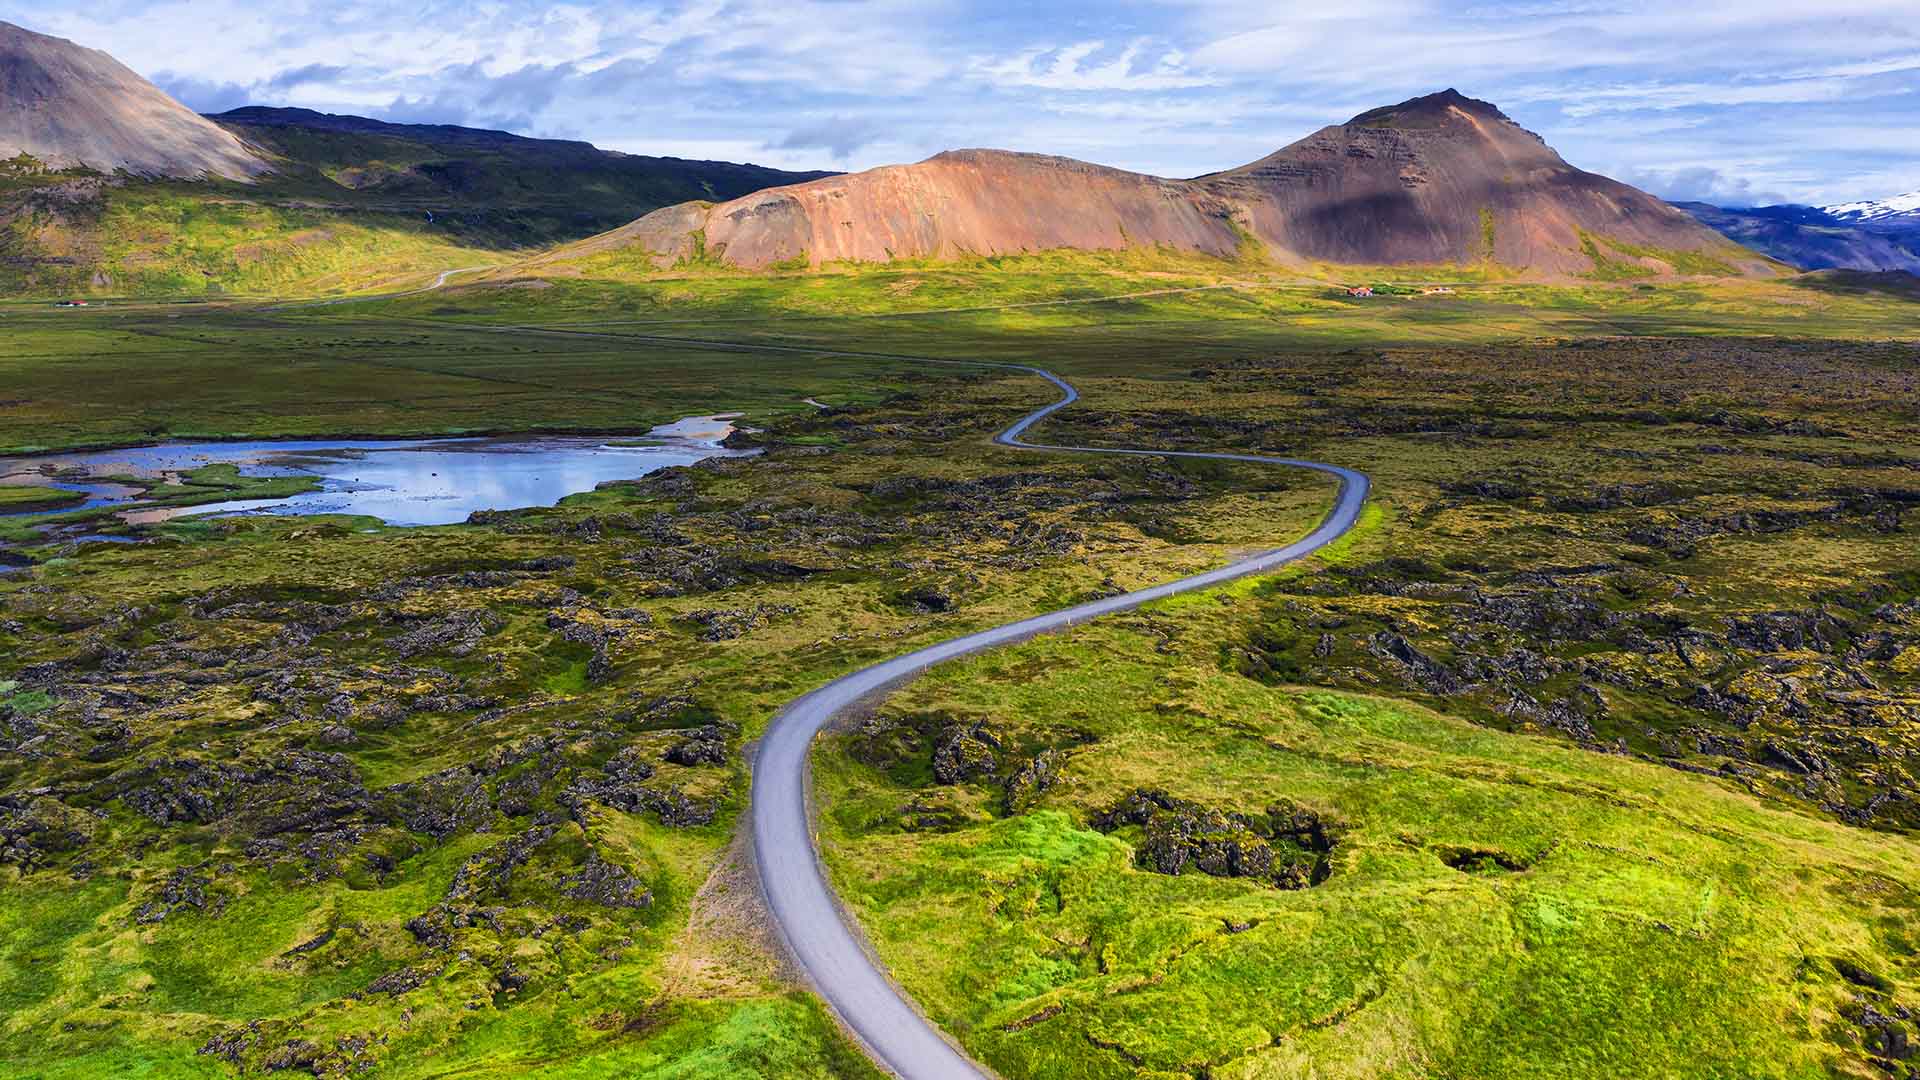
(445, 361)
(322, 794)
(1616, 918)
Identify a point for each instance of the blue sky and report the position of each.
(1737, 102)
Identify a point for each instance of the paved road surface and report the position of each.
(804, 908)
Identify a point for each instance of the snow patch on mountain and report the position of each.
(1875, 210)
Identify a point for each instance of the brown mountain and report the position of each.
(1437, 179)
(68, 105)
(981, 201)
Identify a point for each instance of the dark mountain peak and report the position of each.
(442, 134)
(1429, 110)
(261, 123)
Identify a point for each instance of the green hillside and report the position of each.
(352, 205)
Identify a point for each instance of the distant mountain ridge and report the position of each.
(68, 106)
(573, 187)
(256, 118)
(1875, 236)
(1902, 211)
(1439, 179)
(445, 134)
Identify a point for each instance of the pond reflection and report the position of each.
(399, 481)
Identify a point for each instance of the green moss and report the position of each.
(697, 259)
(1649, 923)
(28, 704)
(20, 499)
(1682, 262)
(1605, 266)
(1608, 268)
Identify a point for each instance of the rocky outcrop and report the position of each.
(34, 828)
(607, 884)
(622, 785)
(1286, 847)
(189, 887)
(457, 633)
(965, 752)
(704, 746)
(447, 802)
(293, 791)
(1024, 787)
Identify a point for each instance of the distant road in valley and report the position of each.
(439, 282)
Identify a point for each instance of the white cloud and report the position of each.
(1812, 103)
(1584, 101)
(1140, 66)
(1701, 183)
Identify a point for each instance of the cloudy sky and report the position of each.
(1735, 101)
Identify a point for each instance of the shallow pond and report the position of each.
(399, 481)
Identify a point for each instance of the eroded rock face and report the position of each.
(927, 598)
(1286, 847)
(1209, 841)
(1420, 668)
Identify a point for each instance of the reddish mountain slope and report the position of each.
(1445, 178)
(68, 105)
(961, 202)
(1438, 179)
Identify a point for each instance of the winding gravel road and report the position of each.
(820, 937)
(439, 282)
